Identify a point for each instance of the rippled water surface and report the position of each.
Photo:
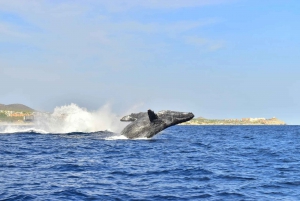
(181, 163)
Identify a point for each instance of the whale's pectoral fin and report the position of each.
(152, 116)
(133, 116)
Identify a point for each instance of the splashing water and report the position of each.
(72, 118)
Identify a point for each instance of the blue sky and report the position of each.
(217, 58)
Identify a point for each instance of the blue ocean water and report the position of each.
(181, 163)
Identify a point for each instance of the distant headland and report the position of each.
(243, 121)
(16, 114)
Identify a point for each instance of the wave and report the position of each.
(21, 129)
(102, 135)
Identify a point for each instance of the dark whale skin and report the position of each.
(148, 124)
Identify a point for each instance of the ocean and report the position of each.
(180, 163)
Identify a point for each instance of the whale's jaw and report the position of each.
(149, 124)
(172, 118)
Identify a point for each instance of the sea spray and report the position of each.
(72, 118)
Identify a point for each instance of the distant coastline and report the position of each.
(16, 114)
(243, 121)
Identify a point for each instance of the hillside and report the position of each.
(16, 108)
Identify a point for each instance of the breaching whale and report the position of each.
(148, 124)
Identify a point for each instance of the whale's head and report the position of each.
(173, 117)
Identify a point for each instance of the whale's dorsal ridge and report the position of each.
(152, 116)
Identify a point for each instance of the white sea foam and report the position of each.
(142, 138)
(117, 137)
(72, 118)
(21, 129)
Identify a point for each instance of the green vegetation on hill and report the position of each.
(2, 115)
(14, 113)
(10, 119)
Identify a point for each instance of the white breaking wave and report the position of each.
(117, 137)
(21, 129)
(72, 118)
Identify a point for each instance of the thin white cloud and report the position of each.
(210, 45)
(171, 28)
(75, 7)
(94, 49)
(123, 5)
(35, 5)
(7, 30)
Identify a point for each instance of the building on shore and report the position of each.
(28, 118)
